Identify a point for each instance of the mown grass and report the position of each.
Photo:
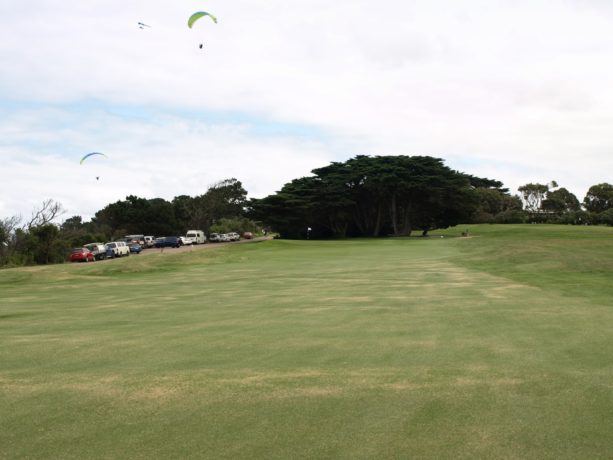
(495, 346)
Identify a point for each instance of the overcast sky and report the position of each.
(519, 91)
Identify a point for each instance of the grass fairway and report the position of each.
(495, 346)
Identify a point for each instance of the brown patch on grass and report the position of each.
(111, 387)
(501, 292)
(154, 393)
(404, 386)
(303, 392)
(317, 391)
(268, 377)
(468, 381)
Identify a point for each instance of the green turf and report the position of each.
(493, 346)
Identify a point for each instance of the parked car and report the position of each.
(167, 242)
(135, 248)
(234, 236)
(149, 242)
(98, 249)
(248, 235)
(82, 255)
(186, 241)
(214, 238)
(119, 248)
(224, 238)
(140, 239)
(197, 236)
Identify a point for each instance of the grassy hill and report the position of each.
(492, 346)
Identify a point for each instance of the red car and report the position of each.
(82, 255)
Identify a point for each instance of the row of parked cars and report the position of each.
(224, 237)
(134, 244)
(100, 251)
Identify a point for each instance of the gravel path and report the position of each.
(199, 247)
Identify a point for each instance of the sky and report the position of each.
(518, 91)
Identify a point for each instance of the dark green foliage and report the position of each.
(237, 224)
(157, 216)
(41, 242)
(546, 203)
(371, 196)
(484, 183)
(135, 214)
(510, 216)
(599, 198)
(606, 217)
(560, 201)
(225, 199)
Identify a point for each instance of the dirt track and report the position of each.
(198, 247)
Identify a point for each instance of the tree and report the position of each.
(7, 237)
(599, 198)
(237, 224)
(291, 210)
(560, 201)
(48, 211)
(225, 199)
(46, 244)
(370, 196)
(532, 195)
(606, 217)
(135, 215)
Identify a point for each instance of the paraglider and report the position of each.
(89, 155)
(194, 17)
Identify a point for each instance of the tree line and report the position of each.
(365, 196)
(381, 195)
(396, 195)
(42, 241)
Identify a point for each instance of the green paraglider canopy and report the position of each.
(89, 155)
(194, 17)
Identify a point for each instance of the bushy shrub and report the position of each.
(237, 224)
(511, 216)
(606, 217)
(482, 217)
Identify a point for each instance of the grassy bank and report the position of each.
(494, 346)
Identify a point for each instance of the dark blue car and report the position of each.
(168, 242)
(135, 248)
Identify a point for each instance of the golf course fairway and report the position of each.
(495, 345)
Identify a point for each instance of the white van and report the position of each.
(119, 248)
(197, 236)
